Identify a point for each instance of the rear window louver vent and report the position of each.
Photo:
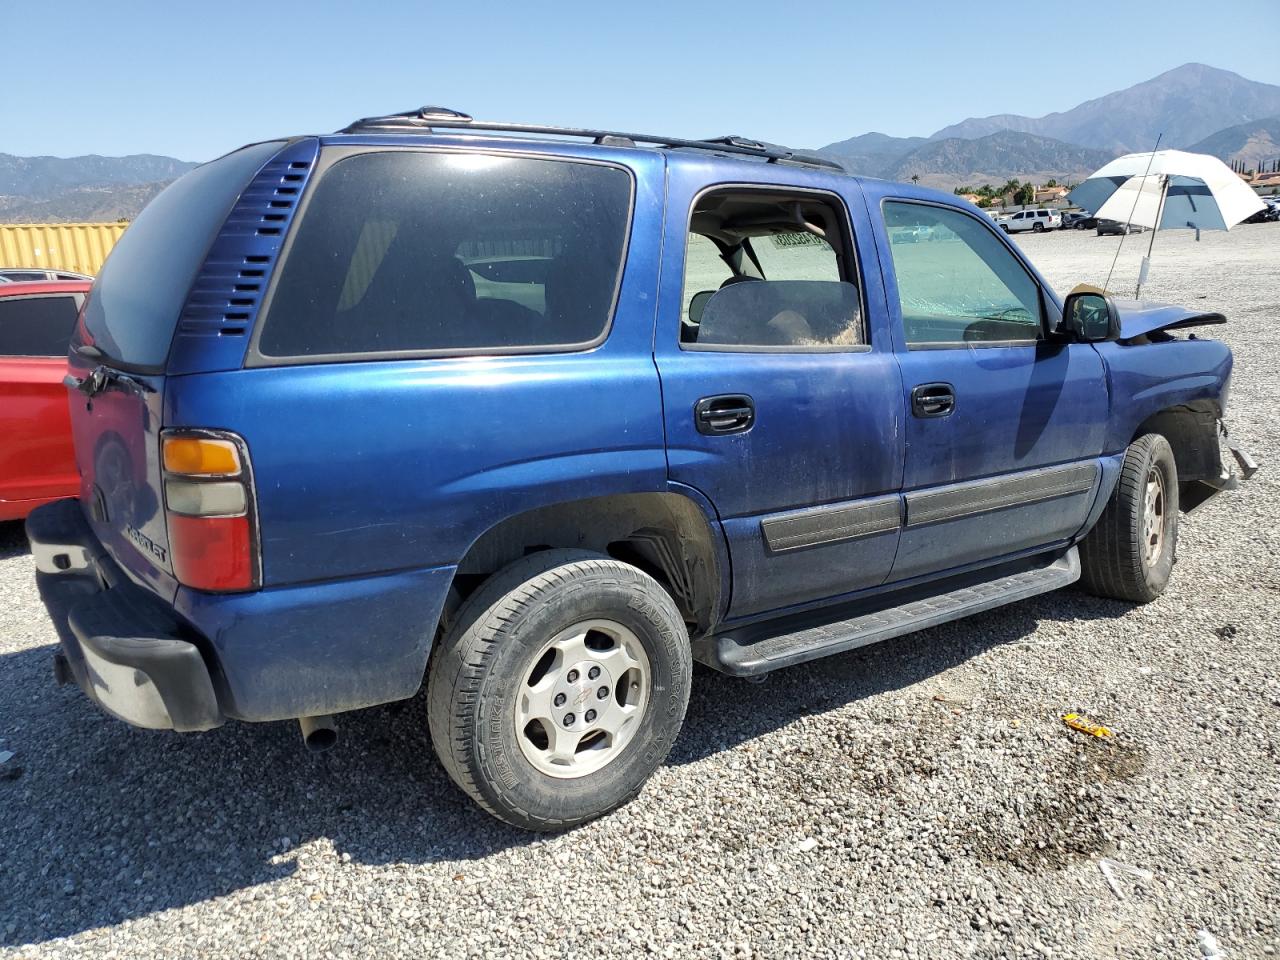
(229, 288)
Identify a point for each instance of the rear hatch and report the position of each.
(120, 352)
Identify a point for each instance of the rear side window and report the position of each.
(36, 326)
(420, 253)
(762, 273)
(134, 306)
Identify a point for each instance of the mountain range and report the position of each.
(1252, 143)
(41, 189)
(1194, 107)
(1185, 104)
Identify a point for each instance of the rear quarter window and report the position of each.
(36, 326)
(133, 309)
(418, 253)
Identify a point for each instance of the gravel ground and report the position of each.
(920, 799)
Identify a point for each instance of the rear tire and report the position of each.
(1037, 228)
(1129, 555)
(521, 648)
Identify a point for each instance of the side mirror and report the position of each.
(1092, 317)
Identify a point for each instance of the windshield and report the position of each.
(133, 308)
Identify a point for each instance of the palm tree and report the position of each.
(915, 178)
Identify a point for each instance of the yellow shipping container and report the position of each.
(79, 247)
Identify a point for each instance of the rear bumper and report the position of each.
(123, 647)
(275, 654)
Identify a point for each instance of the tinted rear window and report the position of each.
(134, 307)
(410, 252)
(36, 326)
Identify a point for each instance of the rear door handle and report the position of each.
(933, 400)
(727, 413)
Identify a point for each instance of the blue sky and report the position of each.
(195, 80)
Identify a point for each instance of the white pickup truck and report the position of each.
(1034, 220)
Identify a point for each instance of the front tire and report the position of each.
(1129, 555)
(559, 688)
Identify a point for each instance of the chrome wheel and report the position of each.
(1153, 507)
(582, 698)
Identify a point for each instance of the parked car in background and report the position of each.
(1078, 220)
(911, 233)
(540, 417)
(36, 459)
(1036, 221)
(1268, 214)
(1116, 227)
(29, 274)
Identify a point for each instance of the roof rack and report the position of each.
(428, 119)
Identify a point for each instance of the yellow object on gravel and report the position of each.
(1082, 723)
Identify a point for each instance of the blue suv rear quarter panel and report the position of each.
(375, 476)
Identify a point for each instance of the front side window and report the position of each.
(958, 284)
(421, 253)
(768, 271)
(36, 326)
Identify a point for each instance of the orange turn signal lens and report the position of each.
(201, 456)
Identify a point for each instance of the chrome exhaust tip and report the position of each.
(318, 733)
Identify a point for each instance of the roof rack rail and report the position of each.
(428, 119)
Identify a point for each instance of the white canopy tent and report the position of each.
(1167, 190)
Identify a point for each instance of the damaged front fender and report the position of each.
(1196, 492)
(1141, 317)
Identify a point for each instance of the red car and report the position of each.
(36, 460)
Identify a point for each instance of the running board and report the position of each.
(762, 647)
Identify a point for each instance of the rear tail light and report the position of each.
(209, 505)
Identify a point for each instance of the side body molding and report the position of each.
(983, 496)
(815, 526)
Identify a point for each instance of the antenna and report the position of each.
(1132, 211)
(1146, 261)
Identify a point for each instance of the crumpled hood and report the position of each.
(1143, 316)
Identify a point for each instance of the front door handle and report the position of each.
(933, 400)
(727, 413)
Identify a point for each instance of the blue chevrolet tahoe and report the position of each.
(541, 416)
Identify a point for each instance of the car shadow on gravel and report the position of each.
(727, 711)
(13, 539)
(104, 823)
